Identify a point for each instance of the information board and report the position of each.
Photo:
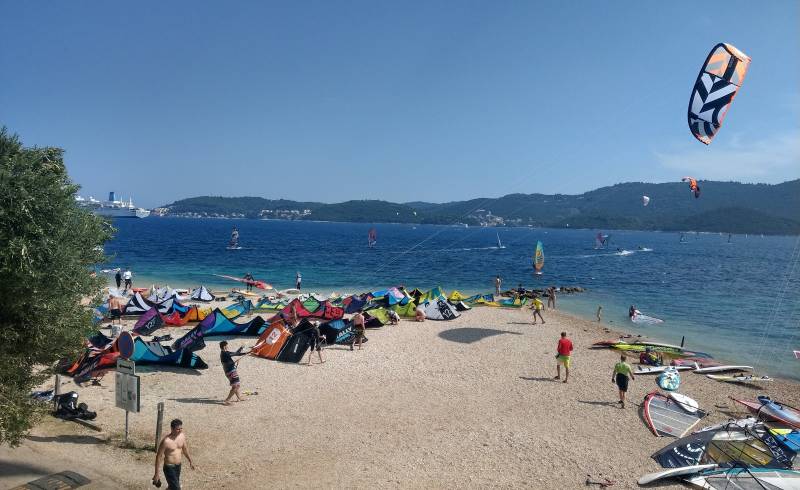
(127, 392)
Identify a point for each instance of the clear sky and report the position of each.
(401, 101)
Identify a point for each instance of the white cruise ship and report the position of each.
(113, 208)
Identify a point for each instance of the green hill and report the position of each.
(723, 207)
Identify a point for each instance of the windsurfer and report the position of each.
(632, 311)
(622, 371)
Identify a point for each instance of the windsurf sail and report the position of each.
(254, 282)
(234, 243)
(499, 244)
(372, 237)
(538, 257)
(600, 240)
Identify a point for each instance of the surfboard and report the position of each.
(659, 369)
(686, 403)
(673, 472)
(723, 368)
(749, 378)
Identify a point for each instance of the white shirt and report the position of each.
(126, 275)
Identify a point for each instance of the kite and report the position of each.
(692, 185)
(645, 200)
(716, 86)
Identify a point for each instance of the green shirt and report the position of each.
(623, 368)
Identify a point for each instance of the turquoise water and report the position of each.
(738, 301)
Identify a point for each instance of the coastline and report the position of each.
(469, 402)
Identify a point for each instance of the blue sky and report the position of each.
(401, 101)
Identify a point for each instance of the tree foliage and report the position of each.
(49, 246)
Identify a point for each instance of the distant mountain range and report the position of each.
(722, 207)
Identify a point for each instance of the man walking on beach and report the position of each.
(298, 279)
(564, 349)
(551, 297)
(622, 371)
(170, 450)
(115, 307)
(118, 278)
(229, 367)
(128, 276)
(497, 283)
(358, 329)
(248, 278)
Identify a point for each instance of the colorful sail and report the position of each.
(538, 257)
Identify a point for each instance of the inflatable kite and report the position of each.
(716, 86)
(692, 185)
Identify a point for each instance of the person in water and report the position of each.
(599, 313)
(622, 373)
(249, 281)
(551, 297)
(298, 279)
(632, 311)
(170, 450)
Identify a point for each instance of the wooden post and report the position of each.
(56, 391)
(159, 423)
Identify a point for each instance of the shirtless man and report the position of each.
(115, 306)
(358, 328)
(172, 447)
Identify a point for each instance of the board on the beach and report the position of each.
(722, 369)
(769, 409)
(674, 472)
(659, 369)
(739, 379)
(686, 403)
(665, 417)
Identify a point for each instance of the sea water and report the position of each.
(736, 300)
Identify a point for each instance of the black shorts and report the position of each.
(172, 473)
(127, 283)
(115, 313)
(622, 382)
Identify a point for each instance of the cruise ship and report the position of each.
(113, 208)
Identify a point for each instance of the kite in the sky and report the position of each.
(692, 185)
(716, 86)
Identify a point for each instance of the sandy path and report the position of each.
(466, 403)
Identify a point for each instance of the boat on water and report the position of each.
(112, 208)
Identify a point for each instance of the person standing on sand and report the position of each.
(537, 309)
(358, 329)
(118, 278)
(298, 279)
(551, 297)
(229, 367)
(316, 343)
(622, 371)
(115, 307)
(497, 283)
(170, 450)
(599, 313)
(128, 276)
(564, 349)
(249, 281)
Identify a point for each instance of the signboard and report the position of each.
(125, 366)
(125, 344)
(127, 392)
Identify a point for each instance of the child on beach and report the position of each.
(564, 350)
(622, 371)
(537, 309)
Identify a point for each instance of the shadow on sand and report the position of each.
(470, 335)
(13, 469)
(548, 379)
(600, 404)
(205, 401)
(69, 438)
